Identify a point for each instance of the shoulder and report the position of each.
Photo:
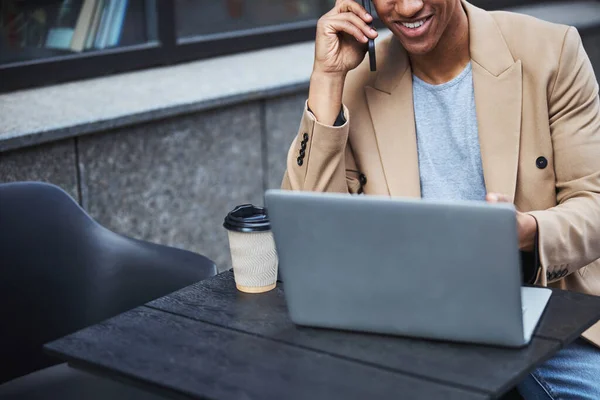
(534, 41)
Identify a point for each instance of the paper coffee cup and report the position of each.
(252, 247)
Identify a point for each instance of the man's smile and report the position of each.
(414, 28)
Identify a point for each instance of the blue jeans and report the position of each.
(574, 373)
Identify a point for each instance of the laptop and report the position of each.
(427, 269)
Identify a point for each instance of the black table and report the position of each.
(211, 341)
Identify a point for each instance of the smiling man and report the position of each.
(467, 105)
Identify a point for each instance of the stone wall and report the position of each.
(171, 181)
(54, 162)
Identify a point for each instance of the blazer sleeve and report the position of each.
(320, 158)
(569, 234)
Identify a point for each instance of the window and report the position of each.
(33, 30)
(206, 18)
(49, 41)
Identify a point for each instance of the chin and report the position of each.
(418, 49)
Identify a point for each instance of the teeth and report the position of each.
(413, 25)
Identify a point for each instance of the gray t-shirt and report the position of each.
(448, 139)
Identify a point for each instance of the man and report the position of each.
(471, 105)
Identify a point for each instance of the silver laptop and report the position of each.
(436, 270)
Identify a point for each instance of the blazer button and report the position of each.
(563, 273)
(302, 153)
(300, 161)
(541, 162)
(305, 136)
(362, 179)
(303, 145)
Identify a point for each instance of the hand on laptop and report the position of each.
(526, 224)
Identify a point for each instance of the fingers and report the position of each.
(349, 17)
(491, 197)
(351, 24)
(344, 6)
(497, 198)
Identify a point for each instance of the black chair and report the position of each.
(61, 271)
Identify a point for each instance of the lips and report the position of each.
(415, 28)
(416, 24)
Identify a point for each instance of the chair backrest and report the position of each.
(61, 271)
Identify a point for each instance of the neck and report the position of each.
(450, 56)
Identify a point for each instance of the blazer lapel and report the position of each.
(498, 85)
(390, 103)
(498, 105)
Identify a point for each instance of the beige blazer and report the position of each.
(536, 96)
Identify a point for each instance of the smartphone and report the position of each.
(372, 60)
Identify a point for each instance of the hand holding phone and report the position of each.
(342, 35)
(372, 58)
(341, 40)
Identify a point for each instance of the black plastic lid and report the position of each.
(247, 218)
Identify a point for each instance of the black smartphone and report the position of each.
(372, 60)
